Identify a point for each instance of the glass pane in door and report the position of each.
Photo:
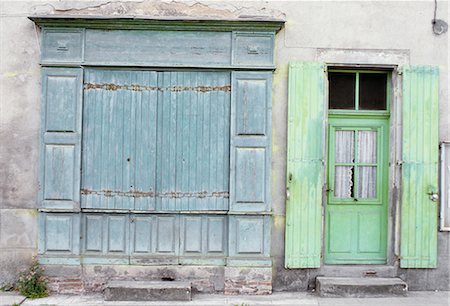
(343, 182)
(344, 147)
(367, 182)
(367, 147)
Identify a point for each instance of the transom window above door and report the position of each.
(358, 90)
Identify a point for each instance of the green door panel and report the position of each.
(305, 157)
(418, 245)
(356, 212)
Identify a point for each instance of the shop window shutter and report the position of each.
(418, 245)
(250, 139)
(305, 156)
(60, 139)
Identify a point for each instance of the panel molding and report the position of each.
(60, 139)
(174, 43)
(250, 150)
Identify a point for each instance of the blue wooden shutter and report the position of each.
(60, 138)
(305, 155)
(250, 141)
(119, 139)
(420, 167)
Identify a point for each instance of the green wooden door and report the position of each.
(356, 212)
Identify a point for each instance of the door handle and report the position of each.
(433, 196)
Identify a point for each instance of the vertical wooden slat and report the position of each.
(420, 155)
(305, 156)
(114, 163)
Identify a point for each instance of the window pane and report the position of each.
(367, 182)
(341, 90)
(343, 182)
(367, 147)
(372, 91)
(344, 147)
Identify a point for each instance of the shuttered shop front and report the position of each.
(156, 162)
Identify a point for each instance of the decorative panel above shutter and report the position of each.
(250, 141)
(305, 155)
(61, 136)
(420, 167)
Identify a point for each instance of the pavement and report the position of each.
(414, 298)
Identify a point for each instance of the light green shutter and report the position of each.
(305, 157)
(420, 167)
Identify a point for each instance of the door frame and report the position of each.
(394, 160)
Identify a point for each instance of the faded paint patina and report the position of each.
(305, 162)
(418, 244)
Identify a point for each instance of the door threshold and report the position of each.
(359, 270)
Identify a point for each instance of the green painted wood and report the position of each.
(418, 246)
(60, 148)
(356, 226)
(305, 158)
(251, 129)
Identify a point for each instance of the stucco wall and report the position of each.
(381, 32)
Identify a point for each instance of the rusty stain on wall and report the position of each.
(169, 194)
(135, 87)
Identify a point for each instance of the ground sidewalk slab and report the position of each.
(10, 298)
(422, 298)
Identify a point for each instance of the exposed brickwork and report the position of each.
(230, 280)
(63, 285)
(255, 281)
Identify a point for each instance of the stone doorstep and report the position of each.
(147, 291)
(360, 287)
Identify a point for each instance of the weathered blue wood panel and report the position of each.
(93, 233)
(250, 168)
(249, 239)
(216, 231)
(251, 111)
(160, 48)
(156, 140)
(142, 228)
(250, 141)
(105, 238)
(191, 230)
(193, 141)
(62, 104)
(62, 45)
(60, 138)
(59, 234)
(167, 235)
(119, 140)
(59, 172)
(253, 49)
(117, 234)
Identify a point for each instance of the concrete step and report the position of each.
(360, 287)
(147, 291)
